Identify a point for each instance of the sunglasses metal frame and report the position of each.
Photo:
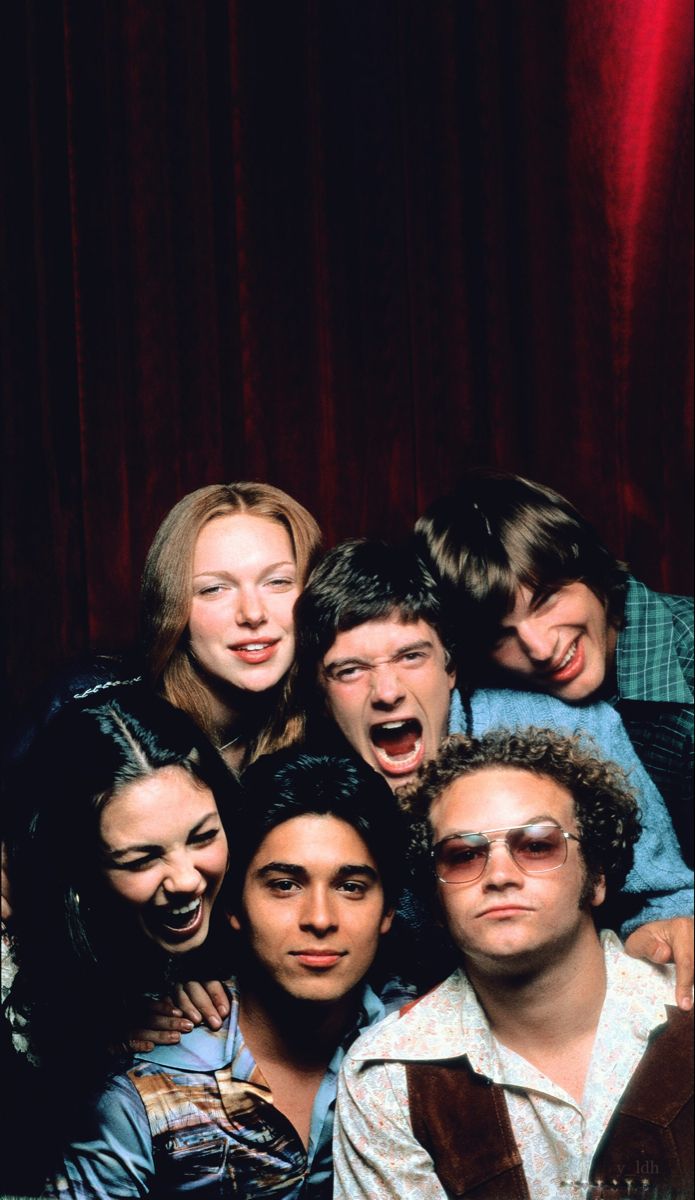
(483, 833)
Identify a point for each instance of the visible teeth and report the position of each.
(392, 724)
(186, 908)
(568, 657)
(254, 646)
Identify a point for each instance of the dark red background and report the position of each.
(347, 246)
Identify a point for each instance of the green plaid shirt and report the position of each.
(654, 680)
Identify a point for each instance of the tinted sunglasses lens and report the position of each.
(458, 860)
(537, 848)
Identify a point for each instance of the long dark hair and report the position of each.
(81, 966)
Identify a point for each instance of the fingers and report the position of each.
(164, 1031)
(206, 1002)
(668, 941)
(162, 1025)
(683, 955)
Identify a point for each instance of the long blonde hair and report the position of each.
(167, 592)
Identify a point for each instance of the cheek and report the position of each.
(202, 624)
(508, 654)
(342, 708)
(282, 608)
(214, 864)
(130, 889)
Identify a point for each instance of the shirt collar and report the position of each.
(206, 1049)
(449, 1022)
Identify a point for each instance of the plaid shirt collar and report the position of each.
(647, 664)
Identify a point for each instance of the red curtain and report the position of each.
(347, 247)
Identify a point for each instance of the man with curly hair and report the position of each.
(550, 1063)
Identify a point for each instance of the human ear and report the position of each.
(387, 920)
(234, 921)
(599, 893)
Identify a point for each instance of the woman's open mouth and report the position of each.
(399, 746)
(176, 922)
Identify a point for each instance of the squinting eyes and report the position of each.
(278, 585)
(359, 670)
(196, 841)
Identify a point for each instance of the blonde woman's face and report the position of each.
(245, 583)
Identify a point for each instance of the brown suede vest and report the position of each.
(462, 1121)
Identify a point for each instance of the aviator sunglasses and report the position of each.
(537, 848)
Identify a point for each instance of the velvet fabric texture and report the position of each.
(346, 247)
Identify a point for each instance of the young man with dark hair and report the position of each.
(315, 873)
(378, 666)
(550, 1063)
(542, 604)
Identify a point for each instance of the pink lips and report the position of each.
(256, 650)
(574, 667)
(318, 958)
(503, 910)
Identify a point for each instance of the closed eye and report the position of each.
(136, 864)
(204, 838)
(544, 598)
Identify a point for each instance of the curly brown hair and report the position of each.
(607, 814)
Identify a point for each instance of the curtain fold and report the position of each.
(350, 248)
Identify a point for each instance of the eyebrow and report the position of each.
(224, 574)
(347, 870)
(423, 644)
(148, 848)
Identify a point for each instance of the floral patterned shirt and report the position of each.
(375, 1152)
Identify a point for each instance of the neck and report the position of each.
(545, 1005)
(301, 1034)
(237, 716)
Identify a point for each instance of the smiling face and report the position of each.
(313, 908)
(560, 642)
(164, 854)
(387, 686)
(507, 920)
(241, 625)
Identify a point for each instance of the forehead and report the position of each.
(497, 798)
(154, 807)
(317, 842)
(381, 638)
(240, 534)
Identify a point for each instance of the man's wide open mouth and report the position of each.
(398, 745)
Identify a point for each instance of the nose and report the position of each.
(250, 607)
(181, 875)
(386, 687)
(500, 869)
(537, 639)
(318, 911)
